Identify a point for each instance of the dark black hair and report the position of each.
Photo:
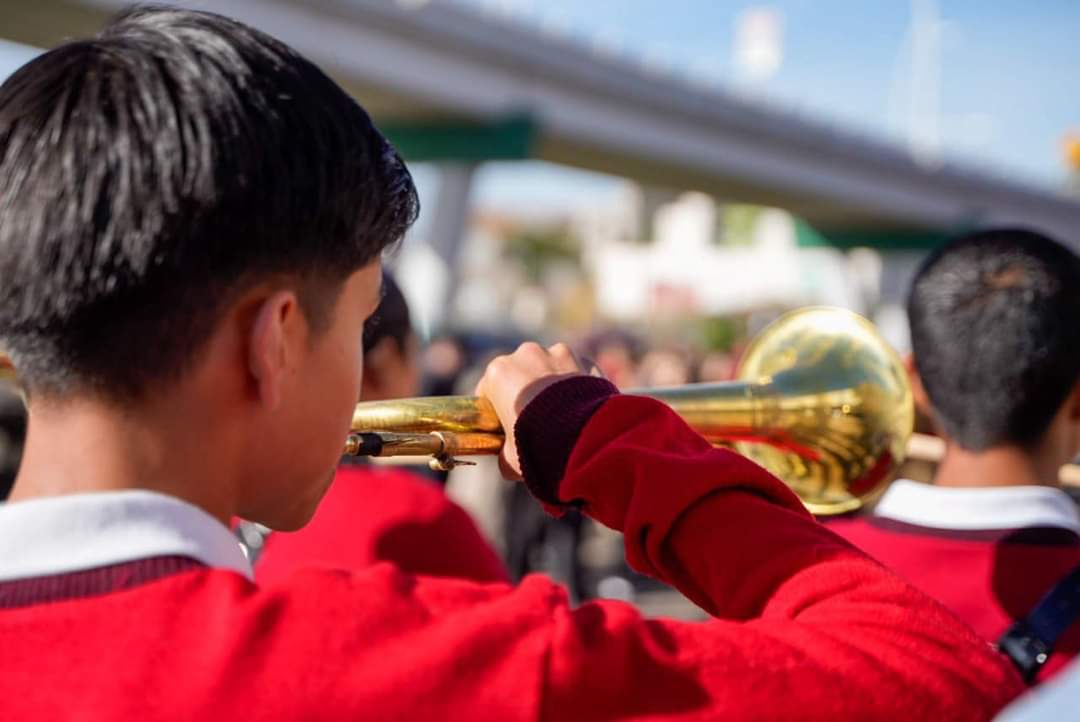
(152, 174)
(390, 320)
(994, 331)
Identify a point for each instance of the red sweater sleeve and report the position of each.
(808, 628)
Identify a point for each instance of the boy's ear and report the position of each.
(918, 391)
(271, 339)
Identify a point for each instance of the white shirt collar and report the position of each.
(977, 508)
(59, 534)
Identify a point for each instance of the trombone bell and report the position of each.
(831, 409)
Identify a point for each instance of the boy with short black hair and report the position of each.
(996, 351)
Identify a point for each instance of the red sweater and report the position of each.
(806, 626)
(372, 514)
(988, 579)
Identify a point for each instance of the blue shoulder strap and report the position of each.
(1030, 641)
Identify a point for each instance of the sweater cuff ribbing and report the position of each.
(548, 428)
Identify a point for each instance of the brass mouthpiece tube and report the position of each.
(442, 428)
(452, 426)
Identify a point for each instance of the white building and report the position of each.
(689, 268)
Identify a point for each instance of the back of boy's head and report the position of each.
(391, 319)
(994, 335)
(151, 175)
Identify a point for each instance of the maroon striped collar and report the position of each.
(91, 582)
(61, 535)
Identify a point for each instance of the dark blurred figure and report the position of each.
(538, 542)
(12, 436)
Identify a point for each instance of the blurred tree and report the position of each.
(737, 224)
(538, 247)
(722, 333)
(576, 310)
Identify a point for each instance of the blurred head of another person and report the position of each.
(996, 348)
(663, 367)
(444, 361)
(716, 366)
(391, 349)
(616, 354)
(192, 218)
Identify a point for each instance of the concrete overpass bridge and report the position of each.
(453, 85)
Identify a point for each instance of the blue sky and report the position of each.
(1009, 69)
(12, 56)
(1009, 72)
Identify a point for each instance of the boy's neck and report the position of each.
(85, 446)
(994, 467)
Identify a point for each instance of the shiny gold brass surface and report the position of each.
(455, 414)
(834, 410)
(821, 401)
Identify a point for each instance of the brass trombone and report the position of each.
(821, 401)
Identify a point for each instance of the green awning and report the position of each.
(511, 138)
(808, 236)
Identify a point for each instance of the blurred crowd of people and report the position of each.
(451, 362)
